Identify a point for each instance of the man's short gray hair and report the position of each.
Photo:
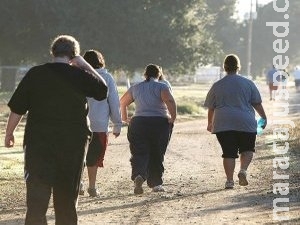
(65, 45)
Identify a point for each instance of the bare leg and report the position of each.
(229, 165)
(92, 173)
(246, 158)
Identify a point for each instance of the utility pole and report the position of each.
(249, 48)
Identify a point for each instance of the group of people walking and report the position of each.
(69, 103)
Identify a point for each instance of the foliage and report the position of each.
(187, 108)
(130, 33)
(225, 29)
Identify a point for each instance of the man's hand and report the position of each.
(80, 62)
(209, 127)
(9, 140)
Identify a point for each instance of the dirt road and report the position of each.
(194, 181)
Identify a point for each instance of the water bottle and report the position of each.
(260, 122)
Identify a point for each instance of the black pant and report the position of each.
(148, 138)
(54, 162)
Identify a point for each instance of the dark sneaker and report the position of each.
(93, 192)
(229, 184)
(138, 182)
(242, 175)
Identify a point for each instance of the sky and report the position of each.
(243, 6)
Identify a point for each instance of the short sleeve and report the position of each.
(93, 86)
(210, 101)
(19, 102)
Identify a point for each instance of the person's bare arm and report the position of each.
(210, 115)
(125, 101)
(261, 112)
(168, 99)
(12, 123)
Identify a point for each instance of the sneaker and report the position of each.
(93, 192)
(81, 189)
(229, 184)
(158, 188)
(242, 175)
(138, 182)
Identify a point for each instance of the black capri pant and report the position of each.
(236, 142)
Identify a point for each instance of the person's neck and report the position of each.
(231, 73)
(64, 59)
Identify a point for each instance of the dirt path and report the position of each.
(194, 181)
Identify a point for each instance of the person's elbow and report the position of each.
(101, 93)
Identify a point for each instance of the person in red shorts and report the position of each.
(100, 113)
(272, 75)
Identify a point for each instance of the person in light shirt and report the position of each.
(100, 114)
(149, 128)
(232, 102)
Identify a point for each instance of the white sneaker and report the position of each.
(158, 188)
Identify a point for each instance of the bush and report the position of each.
(187, 108)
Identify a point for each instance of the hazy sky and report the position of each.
(243, 6)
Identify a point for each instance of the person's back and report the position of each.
(231, 117)
(149, 128)
(234, 92)
(270, 75)
(101, 111)
(234, 95)
(58, 95)
(147, 98)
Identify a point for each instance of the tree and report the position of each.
(169, 32)
(225, 28)
(130, 33)
(26, 28)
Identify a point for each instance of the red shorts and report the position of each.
(273, 87)
(97, 148)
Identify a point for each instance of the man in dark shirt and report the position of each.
(56, 132)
